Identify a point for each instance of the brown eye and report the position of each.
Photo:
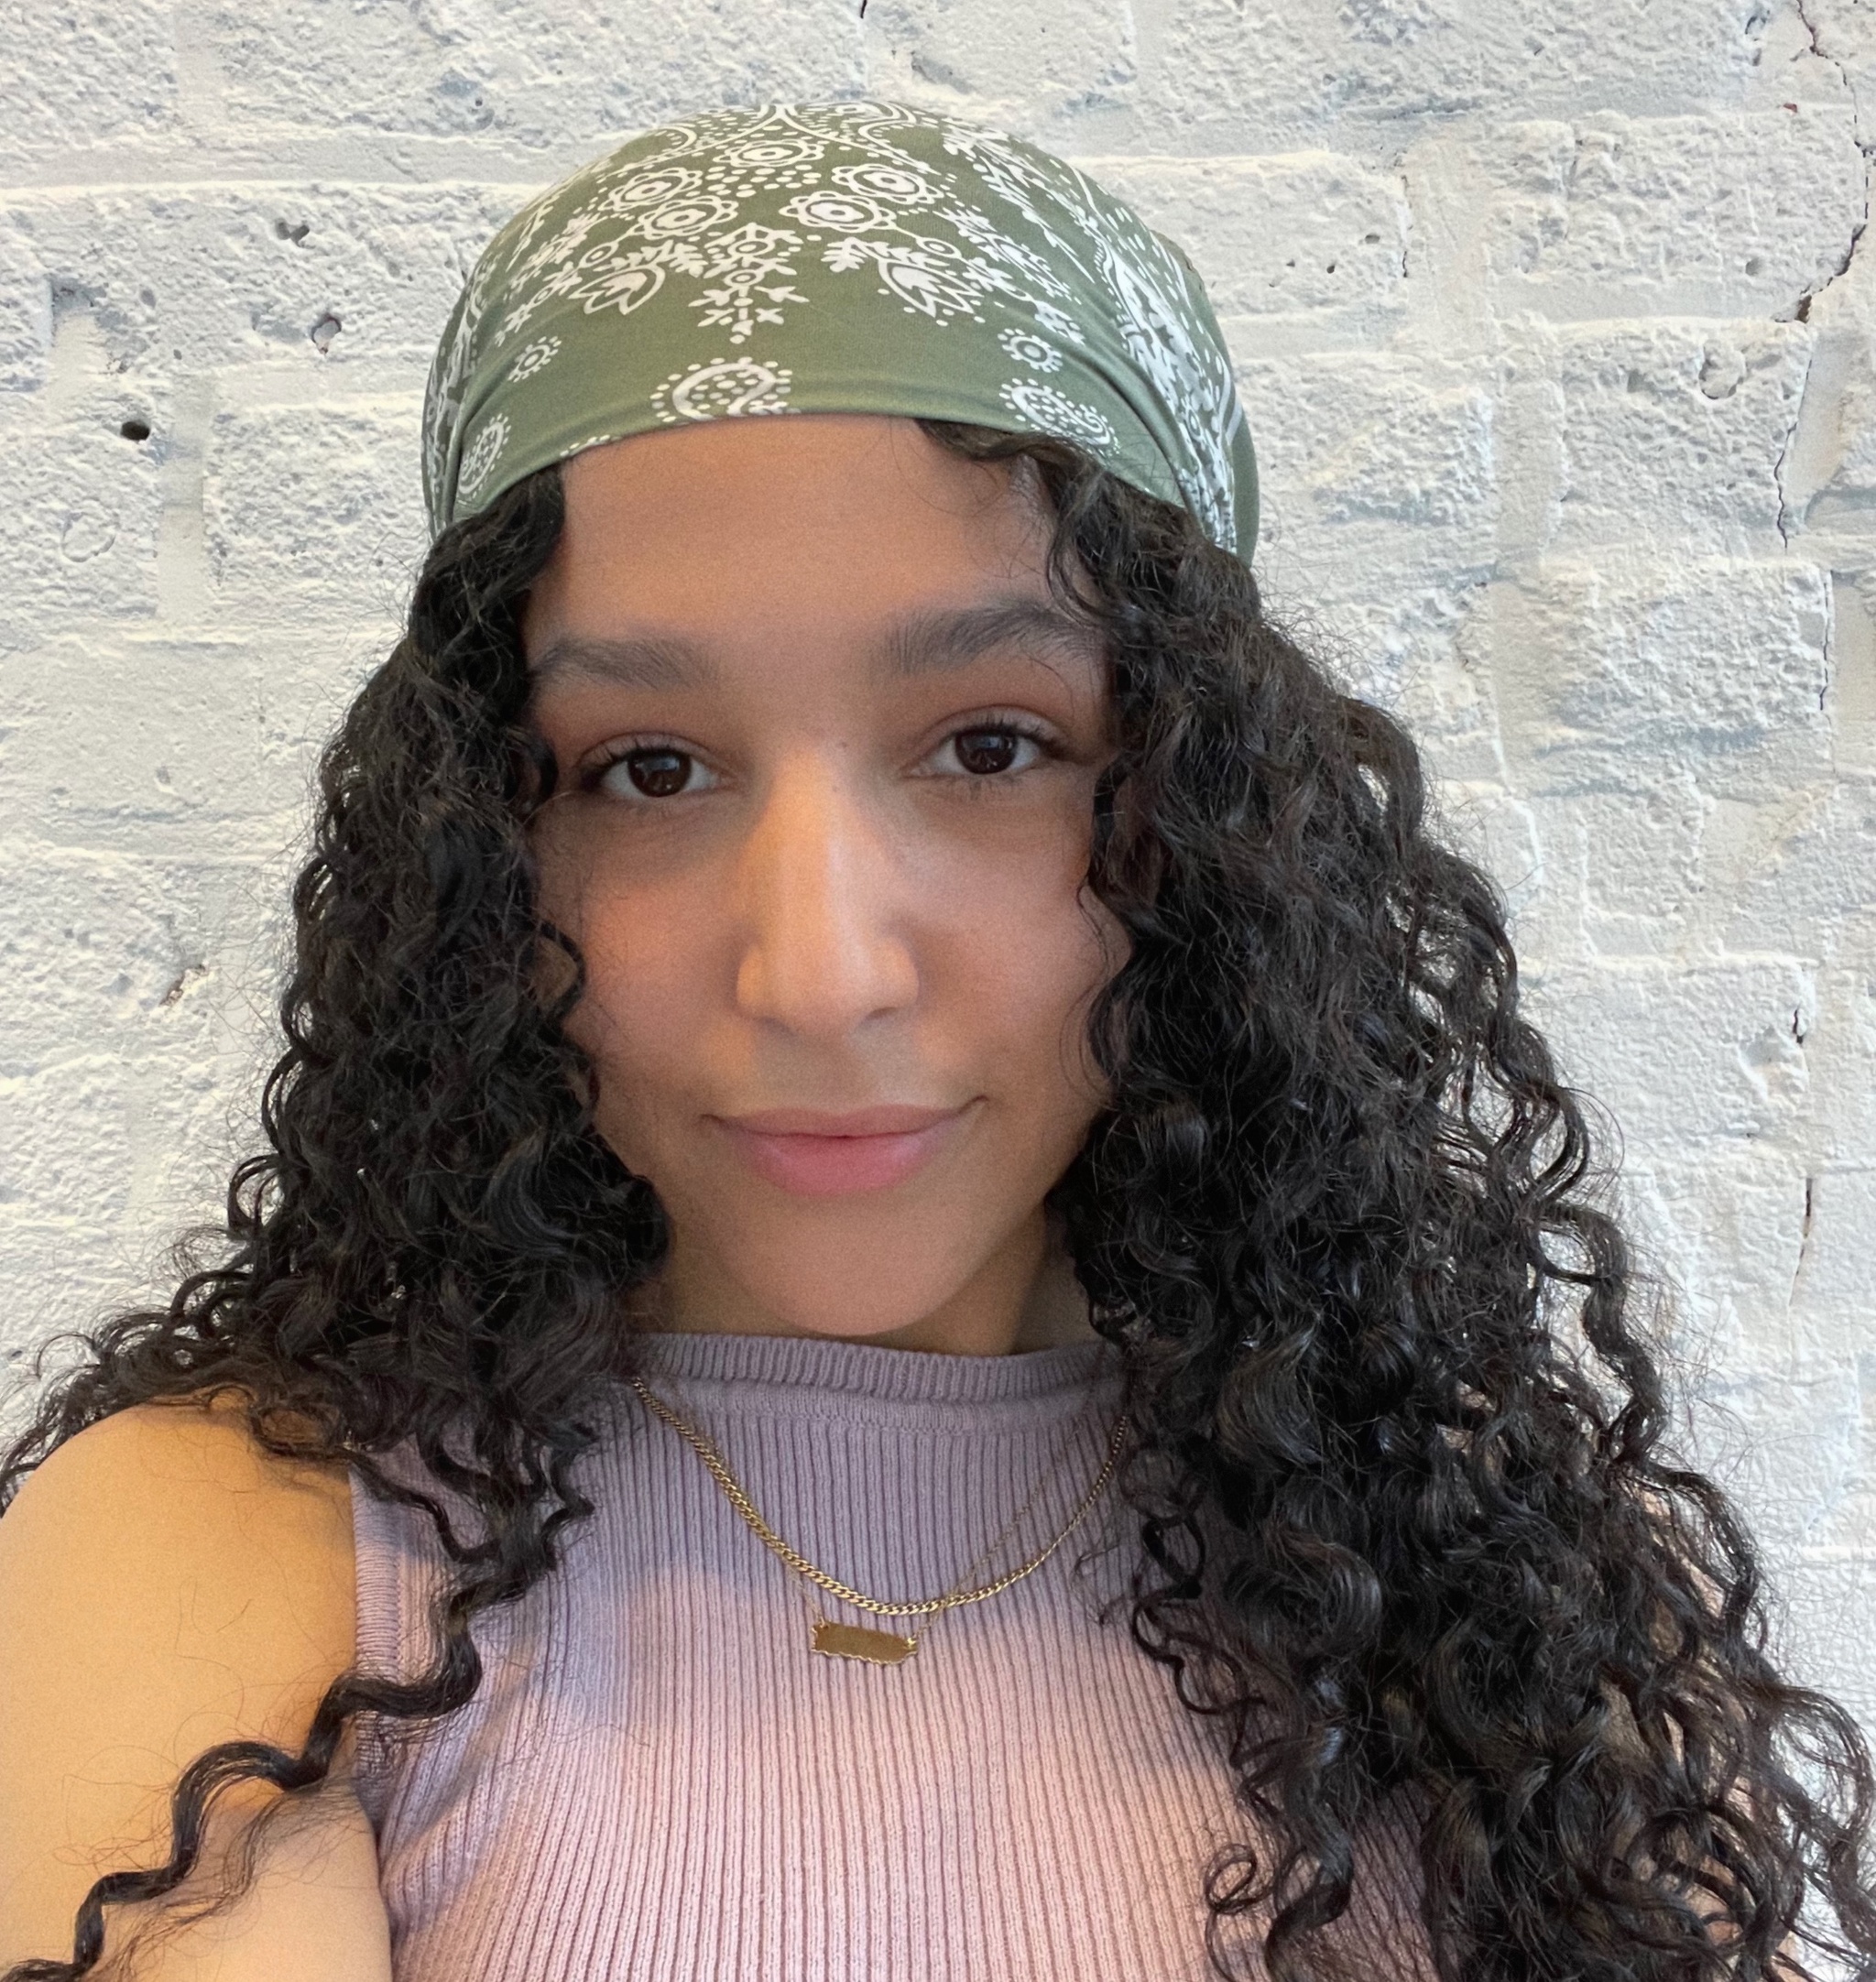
(656, 772)
(985, 751)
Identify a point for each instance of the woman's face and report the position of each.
(827, 753)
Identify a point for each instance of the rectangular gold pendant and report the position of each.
(855, 1641)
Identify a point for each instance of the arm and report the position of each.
(164, 1587)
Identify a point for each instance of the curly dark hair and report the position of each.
(1408, 1527)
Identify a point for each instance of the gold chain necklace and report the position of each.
(854, 1640)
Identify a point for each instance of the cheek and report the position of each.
(643, 1012)
(635, 991)
(1015, 964)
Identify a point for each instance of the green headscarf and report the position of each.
(854, 257)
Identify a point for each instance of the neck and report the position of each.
(1025, 1297)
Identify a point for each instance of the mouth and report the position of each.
(812, 1154)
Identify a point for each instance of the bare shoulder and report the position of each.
(165, 1585)
(173, 1498)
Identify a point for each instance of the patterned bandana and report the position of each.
(854, 257)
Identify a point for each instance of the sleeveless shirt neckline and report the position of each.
(660, 1778)
(789, 1369)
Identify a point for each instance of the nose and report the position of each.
(825, 950)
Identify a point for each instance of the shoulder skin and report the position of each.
(166, 1586)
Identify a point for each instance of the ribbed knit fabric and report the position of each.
(661, 1779)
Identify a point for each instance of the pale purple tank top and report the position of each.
(662, 1780)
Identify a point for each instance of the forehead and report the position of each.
(855, 533)
(794, 497)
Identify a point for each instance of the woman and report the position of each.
(866, 1030)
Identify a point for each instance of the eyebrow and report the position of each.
(929, 642)
(636, 660)
(921, 643)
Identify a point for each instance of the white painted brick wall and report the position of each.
(1557, 341)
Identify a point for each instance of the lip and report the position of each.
(811, 1153)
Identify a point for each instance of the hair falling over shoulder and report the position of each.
(1407, 1528)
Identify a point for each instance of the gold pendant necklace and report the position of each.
(856, 1640)
(861, 1641)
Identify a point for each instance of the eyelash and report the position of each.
(591, 775)
(996, 721)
